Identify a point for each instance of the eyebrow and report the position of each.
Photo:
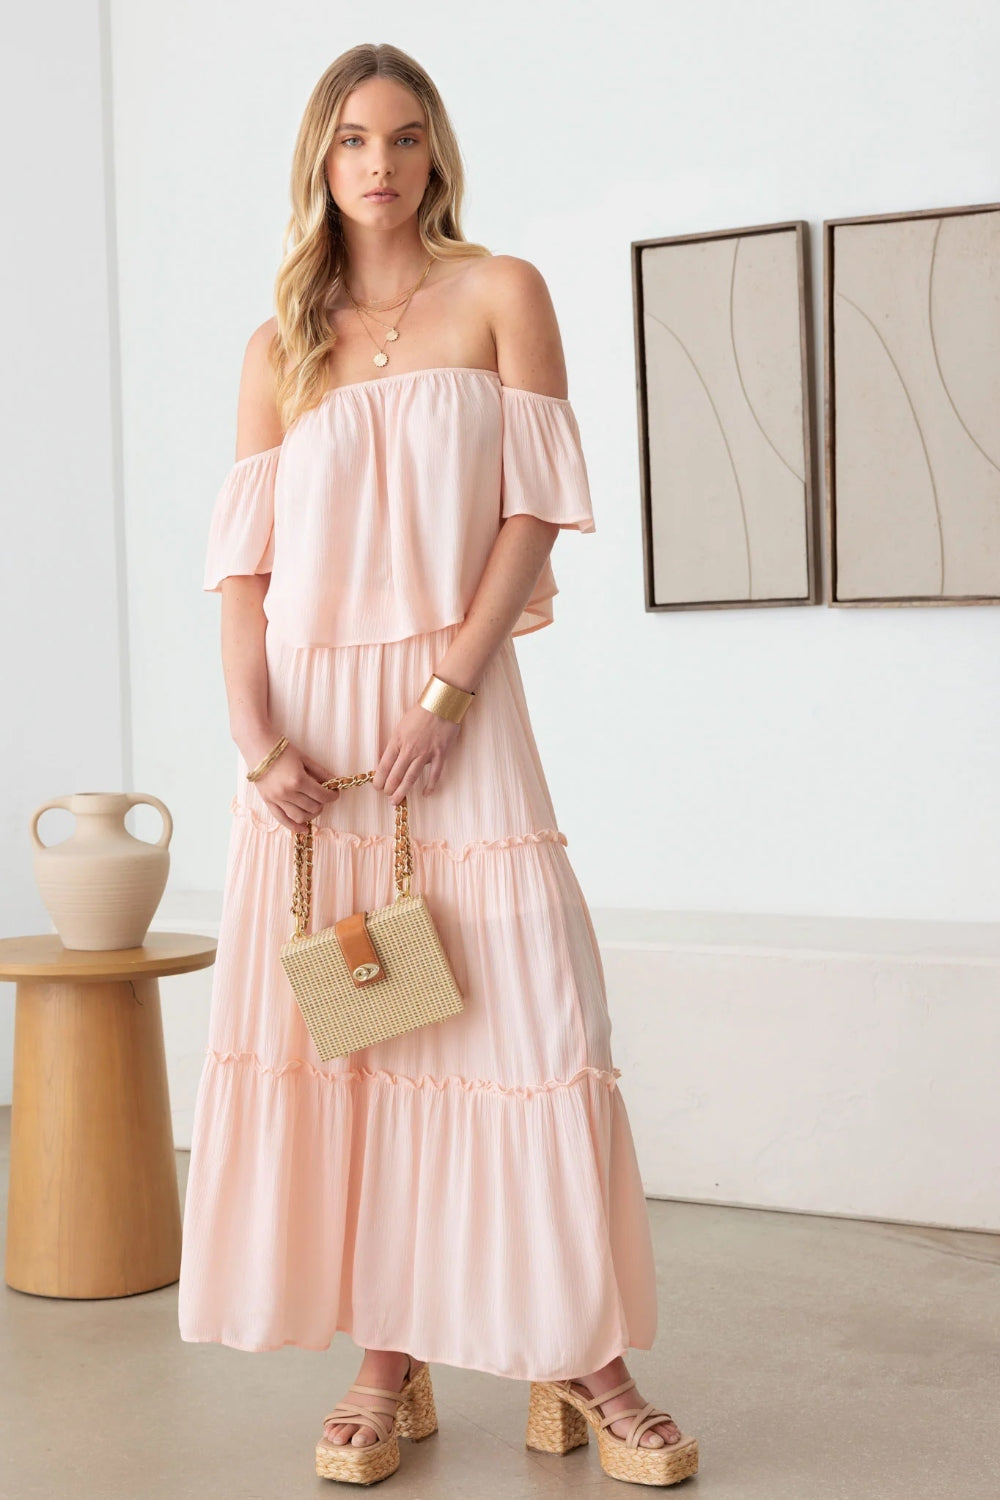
(410, 125)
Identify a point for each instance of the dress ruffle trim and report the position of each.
(482, 1230)
(453, 1080)
(436, 846)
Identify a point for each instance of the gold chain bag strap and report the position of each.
(373, 974)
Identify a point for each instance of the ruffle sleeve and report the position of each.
(241, 531)
(544, 474)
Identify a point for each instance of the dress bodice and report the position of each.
(377, 513)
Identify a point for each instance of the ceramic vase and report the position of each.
(101, 885)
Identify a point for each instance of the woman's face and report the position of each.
(380, 141)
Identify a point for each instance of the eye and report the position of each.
(347, 139)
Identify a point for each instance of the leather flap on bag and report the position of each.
(359, 954)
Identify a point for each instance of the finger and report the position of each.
(286, 822)
(408, 781)
(309, 797)
(398, 769)
(296, 798)
(305, 791)
(386, 761)
(319, 775)
(302, 804)
(430, 771)
(294, 813)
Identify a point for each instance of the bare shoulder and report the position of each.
(523, 322)
(260, 340)
(258, 425)
(509, 275)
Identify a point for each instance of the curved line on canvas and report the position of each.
(739, 373)
(937, 362)
(736, 477)
(916, 423)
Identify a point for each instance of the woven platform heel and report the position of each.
(554, 1426)
(415, 1417)
(559, 1412)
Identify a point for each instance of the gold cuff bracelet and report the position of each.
(444, 700)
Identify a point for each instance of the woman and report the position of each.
(467, 1192)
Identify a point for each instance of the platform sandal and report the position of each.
(558, 1414)
(414, 1418)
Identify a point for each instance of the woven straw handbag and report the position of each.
(373, 974)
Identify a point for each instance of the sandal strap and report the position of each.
(350, 1411)
(380, 1421)
(617, 1390)
(374, 1390)
(644, 1424)
(644, 1417)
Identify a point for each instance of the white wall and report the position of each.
(801, 760)
(65, 724)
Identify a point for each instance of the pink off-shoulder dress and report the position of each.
(469, 1191)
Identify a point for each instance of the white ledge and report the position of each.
(763, 932)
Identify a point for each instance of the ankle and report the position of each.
(611, 1374)
(389, 1361)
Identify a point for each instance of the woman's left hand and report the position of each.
(421, 738)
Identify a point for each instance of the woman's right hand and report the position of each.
(292, 788)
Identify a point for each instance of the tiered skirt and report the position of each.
(467, 1192)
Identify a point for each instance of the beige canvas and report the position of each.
(723, 380)
(916, 397)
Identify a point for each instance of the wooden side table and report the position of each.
(93, 1208)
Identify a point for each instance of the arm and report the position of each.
(291, 786)
(529, 354)
(243, 621)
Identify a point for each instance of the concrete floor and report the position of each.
(814, 1358)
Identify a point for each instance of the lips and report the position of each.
(382, 193)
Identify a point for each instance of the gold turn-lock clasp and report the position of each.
(358, 950)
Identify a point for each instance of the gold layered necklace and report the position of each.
(380, 357)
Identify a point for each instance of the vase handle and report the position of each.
(134, 798)
(36, 815)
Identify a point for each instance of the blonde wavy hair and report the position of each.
(313, 247)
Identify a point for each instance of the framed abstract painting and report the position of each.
(724, 391)
(912, 385)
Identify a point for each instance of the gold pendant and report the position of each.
(381, 358)
(391, 336)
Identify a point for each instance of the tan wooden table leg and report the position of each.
(93, 1206)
